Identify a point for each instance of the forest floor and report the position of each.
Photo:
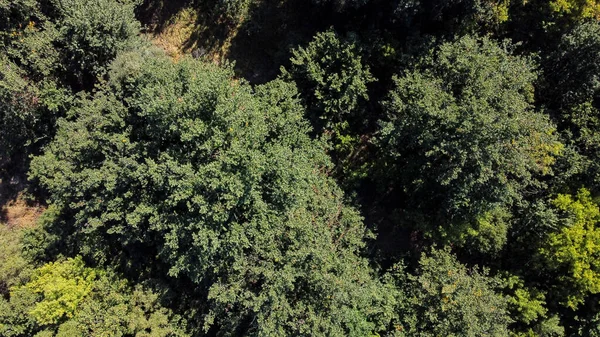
(16, 210)
(259, 43)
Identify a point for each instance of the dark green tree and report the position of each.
(50, 48)
(70, 40)
(91, 33)
(332, 78)
(461, 142)
(184, 172)
(28, 112)
(572, 92)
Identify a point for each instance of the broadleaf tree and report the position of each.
(461, 142)
(221, 184)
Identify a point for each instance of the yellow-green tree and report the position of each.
(62, 287)
(578, 9)
(67, 298)
(574, 248)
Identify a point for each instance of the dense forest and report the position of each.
(300, 168)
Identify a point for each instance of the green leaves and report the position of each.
(63, 286)
(221, 185)
(461, 137)
(214, 199)
(575, 247)
(573, 93)
(445, 298)
(332, 77)
(92, 33)
(68, 298)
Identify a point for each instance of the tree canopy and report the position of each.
(299, 168)
(245, 212)
(462, 141)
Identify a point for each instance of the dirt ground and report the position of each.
(15, 208)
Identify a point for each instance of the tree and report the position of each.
(63, 286)
(572, 87)
(70, 40)
(233, 12)
(15, 12)
(580, 9)
(445, 298)
(50, 48)
(461, 142)
(14, 269)
(529, 312)
(573, 248)
(91, 33)
(28, 112)
(333, 81)
(68, 298)
(175, 169)
(332, 78)
(453, 18)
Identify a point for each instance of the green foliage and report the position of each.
(588, 326)
(17, 104)
(333, 80)
(14, 269)
(455, 17)
(461, 138)
(546, 328)
(46, 45)
(445, 298)
(72, 40)
(27, 112)
(62, 286)
(527, 305)
(528, 309)
(115, 309)
(574, 76)
(233, 11)
(573, 85)
(66, 299)
(574, 248)
(331, 76)
(578, 9)
(488, 232)
(92, 32)
(213, 199)
(15, 12)
(14, 318)
(234, 199)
